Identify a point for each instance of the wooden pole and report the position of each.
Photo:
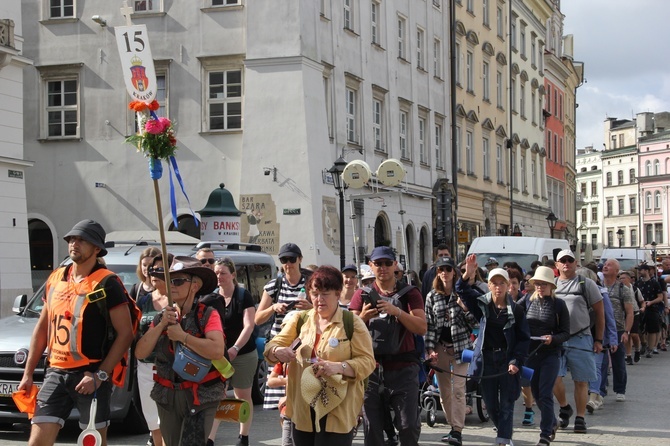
(166, 265)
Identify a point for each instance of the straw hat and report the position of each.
(543, 274)
(322, 394)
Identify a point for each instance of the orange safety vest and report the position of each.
(66, 302)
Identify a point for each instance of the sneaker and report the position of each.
(620, 397)
(543, 442)
(528, 417)
(455, 438)
(655, 351)
(564, 414)
(636, 357)
(648, 355)
(580, 425)
(600, 401)
(552, 437)
(592, 405)
(629, 360)
(664, 348)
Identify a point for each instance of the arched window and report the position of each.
(647, 200)
(647, 168)
(657, 167)
(657, 200)
(631, 173)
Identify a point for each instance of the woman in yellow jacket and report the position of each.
(329, 353)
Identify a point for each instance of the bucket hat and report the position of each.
(92, 232)
(323, 394)
(192, 266)
(543, 274)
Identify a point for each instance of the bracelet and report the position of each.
(235, 347)
(185, 338)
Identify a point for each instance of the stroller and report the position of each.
(430, 396)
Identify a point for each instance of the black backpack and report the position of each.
(386, 331)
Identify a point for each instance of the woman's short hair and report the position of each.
(514, 274)
(326, 278)
(148, 252)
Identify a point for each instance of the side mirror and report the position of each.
(20, 303)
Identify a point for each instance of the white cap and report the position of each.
(498, 272)
(565, 253)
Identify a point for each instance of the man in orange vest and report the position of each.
(80, 357)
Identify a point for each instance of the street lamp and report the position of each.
(653, 250)
(551, 221)
(336, 172)
(619, 235)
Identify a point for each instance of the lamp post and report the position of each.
(653, 251)
(336, 172)
(619, 235)
(551, 221)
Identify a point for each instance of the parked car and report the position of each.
(522, 250)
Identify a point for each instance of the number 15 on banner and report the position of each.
(136, 62)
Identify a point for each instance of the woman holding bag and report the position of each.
(329, 352)
(449, 327)
(186, 408)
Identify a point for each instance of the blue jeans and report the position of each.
(545, 368)
(500, 392)
(619, 375)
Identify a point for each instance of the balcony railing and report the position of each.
(7, 32)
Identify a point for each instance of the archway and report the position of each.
(410, 240)
(382, 231)
(41, 244)
(424, 250)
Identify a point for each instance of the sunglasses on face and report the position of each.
(567, 260)
(205, 261)
(156, 270)
(179, 281)
(285, 260)
(386, 263)
(445, 268)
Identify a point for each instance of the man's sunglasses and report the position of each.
(210, 261)
(179, 281)
(285, 260)
(386, 263)
(156, 270)
(567, 260)
(445, 268)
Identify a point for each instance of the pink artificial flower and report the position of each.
(157, 126)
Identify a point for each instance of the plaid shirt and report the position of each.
(444, 313)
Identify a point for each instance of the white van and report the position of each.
(522, 250)
(628, 258)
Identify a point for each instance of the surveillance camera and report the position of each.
(266, 171)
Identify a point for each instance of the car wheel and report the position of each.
(258, 387)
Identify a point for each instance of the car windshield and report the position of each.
(125, 272)
(524, 260)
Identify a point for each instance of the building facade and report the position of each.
(15, 267)
(589, 203)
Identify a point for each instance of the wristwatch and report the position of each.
(102, 375)
(236, 347)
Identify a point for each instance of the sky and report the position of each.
(625, 47)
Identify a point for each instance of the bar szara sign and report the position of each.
(259, 224)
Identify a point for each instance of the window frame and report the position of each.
(486, 158)
(48, 9)
(402, 37)
(420, 48)
(60, 73)
(157, 9)
(403, 134)
(227, 66)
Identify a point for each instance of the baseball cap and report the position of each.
(498, 272)
(491, 261)
(290, 250)
(92, 232)
(382, 252)
(565, 253)
(350, 267)
(445, 261)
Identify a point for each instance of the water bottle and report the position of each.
(302, 294)
(224, 367)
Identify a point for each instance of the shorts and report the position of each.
(652, 320)
(636, 324)
(145, 383)
(578, 355)
(57, 397)
(245, 370)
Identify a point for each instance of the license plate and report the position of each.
(9, 387)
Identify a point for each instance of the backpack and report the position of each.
(592, 314)
(387, 333)
(118, 375)
(238, 304)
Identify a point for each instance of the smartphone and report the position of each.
(296, 343)
(371, 299)
(291, 305)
